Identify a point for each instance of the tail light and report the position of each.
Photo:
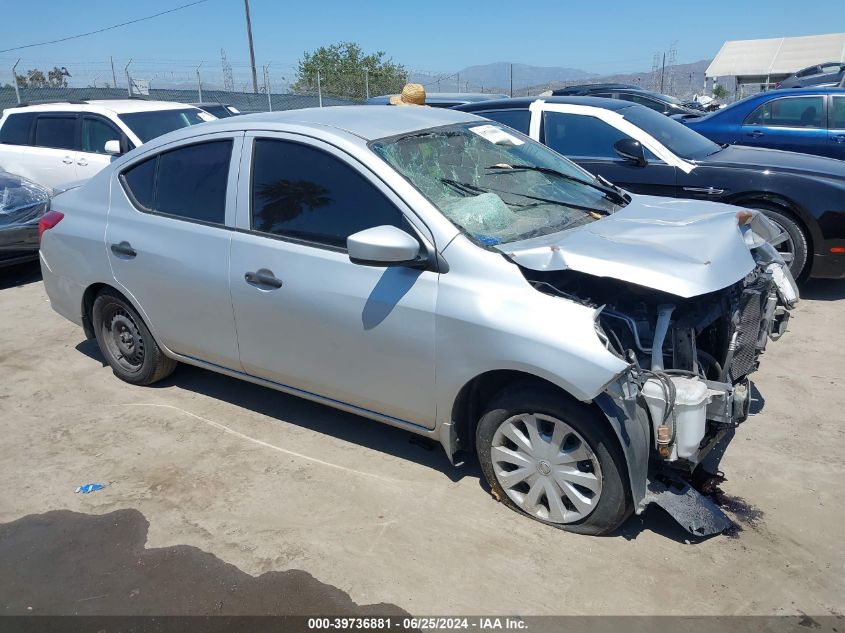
(48, 221)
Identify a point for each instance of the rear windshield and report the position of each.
(148, 125)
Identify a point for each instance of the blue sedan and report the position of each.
(807, 120)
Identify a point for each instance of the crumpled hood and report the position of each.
(683, 247)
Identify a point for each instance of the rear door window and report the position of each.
(16, 129)
(56, 131)
(188, 182)
(837, 113)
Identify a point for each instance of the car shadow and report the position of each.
(19, 275)
(823, 289)
(309, 415)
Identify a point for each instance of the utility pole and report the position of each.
(319, 89)
(367, 82)
(511, 80)
(662, 71)
(113, 76)
(251, 49)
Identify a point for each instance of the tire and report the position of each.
(126, 342)
(797, 244)
(604, 500)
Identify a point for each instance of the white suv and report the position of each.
(57, 143)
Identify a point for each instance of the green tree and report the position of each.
(719, 91)
(345, 71)
(57, 78)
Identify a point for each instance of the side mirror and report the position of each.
(382, 246)
(631, 150)
(113, 147)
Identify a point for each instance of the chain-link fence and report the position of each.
(278, 86)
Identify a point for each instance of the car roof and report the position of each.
(367, 122)
(525, 103)
(117, 106)
(787, 92)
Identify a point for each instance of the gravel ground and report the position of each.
(313, 508)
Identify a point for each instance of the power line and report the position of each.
(108, 28)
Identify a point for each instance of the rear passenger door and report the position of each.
(359, 335)
(51, 157)
(168, 244)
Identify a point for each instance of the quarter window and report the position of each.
(58, 132)
(16, 129)
(188, 182)
(789, 112)
(302, 192)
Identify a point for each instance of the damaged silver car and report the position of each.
(445, 275)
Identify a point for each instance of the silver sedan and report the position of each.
(443, 274)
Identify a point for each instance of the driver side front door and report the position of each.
(309, 319)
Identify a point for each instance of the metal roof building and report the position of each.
(770, 60)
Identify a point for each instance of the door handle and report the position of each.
(263, 278)
(756, 134)
(67, 160)
(123, 248)
(82, 162)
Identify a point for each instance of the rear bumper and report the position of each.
(826, 264)
(65, 294)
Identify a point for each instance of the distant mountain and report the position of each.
(681, 80)
(496, 77)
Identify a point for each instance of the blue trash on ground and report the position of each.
(90, 488)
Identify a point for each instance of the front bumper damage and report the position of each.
(675, 425)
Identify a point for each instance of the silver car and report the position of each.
(442, 274)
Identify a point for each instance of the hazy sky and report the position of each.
(434, 35)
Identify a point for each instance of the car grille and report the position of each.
(751, 305)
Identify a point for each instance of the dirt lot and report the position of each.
(234, 481)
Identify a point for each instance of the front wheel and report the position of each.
(553, 459)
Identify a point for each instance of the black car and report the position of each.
(664, 104)
(22, 203)
(647, 153)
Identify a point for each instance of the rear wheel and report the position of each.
(553, 459)
(794, 246)
(126, 342)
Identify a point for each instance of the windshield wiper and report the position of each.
(469, 189)
(610, 190)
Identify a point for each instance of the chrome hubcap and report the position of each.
(546, 468)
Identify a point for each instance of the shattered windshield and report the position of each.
(497, 185)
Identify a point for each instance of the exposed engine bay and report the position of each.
(690, 358)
